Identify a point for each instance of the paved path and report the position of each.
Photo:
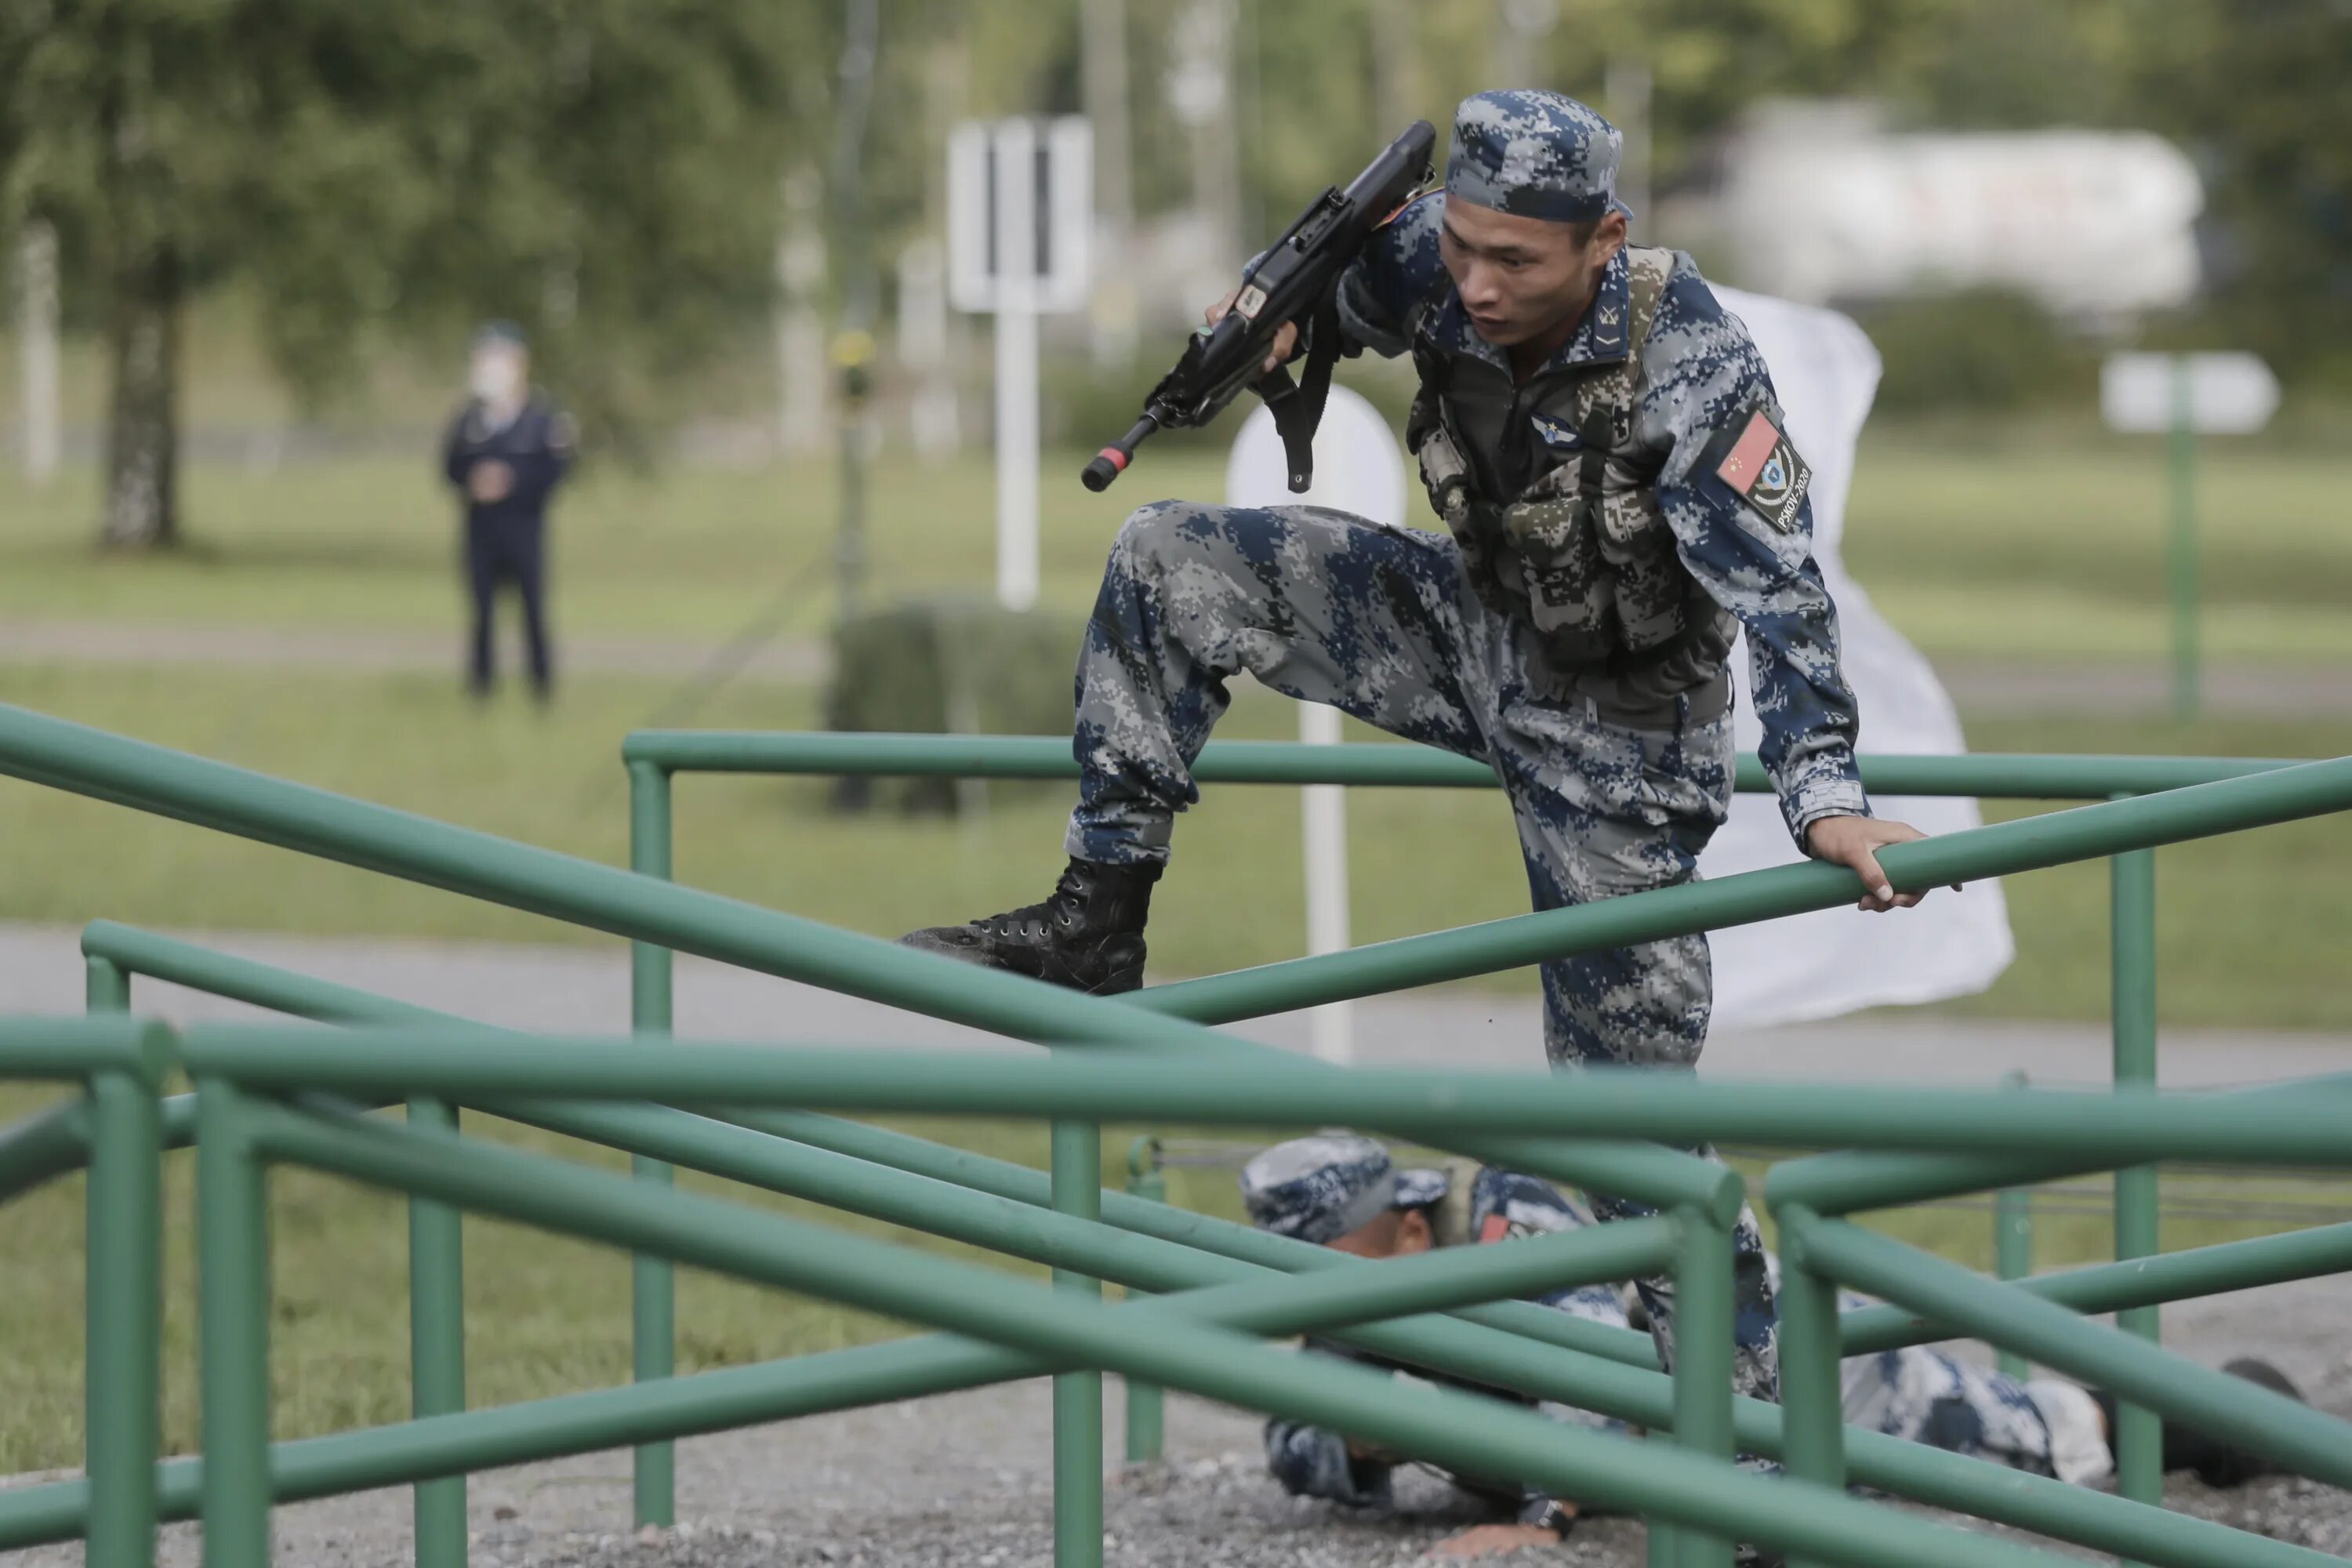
(1979, 686)
(586, 990)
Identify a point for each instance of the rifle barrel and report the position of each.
(1112, 460)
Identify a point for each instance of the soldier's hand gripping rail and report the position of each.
(1296, 281)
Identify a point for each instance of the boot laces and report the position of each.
(1060, 909)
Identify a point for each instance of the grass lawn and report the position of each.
(2018, 550)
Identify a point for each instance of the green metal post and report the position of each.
(436, 1344)
(653, 1285)
(1812, 1395)
(1703, 1365)
(2012, 1243)
(106, 985)
(233, 1258)
(2187, 663)
(1077, 1395)
(124, 1324)
(2139, 1434)
(1146, 1427)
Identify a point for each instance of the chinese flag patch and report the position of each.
(1765, 471)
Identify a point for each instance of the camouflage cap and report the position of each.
(1318, 1189)
(1535, 154)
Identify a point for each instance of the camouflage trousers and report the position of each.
(2047, 1427)
(1383, 623)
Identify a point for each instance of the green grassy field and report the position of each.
(2017, 552)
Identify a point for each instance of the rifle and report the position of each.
(1297, 279)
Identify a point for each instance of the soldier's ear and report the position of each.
(1609, 237)
(1414, 1234)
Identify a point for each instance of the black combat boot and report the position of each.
(2219, 1463)
(1089, 935)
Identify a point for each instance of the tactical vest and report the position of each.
(1581, 550)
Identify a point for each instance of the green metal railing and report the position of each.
(1139, 1243)
(654, 757)
(244, 1072)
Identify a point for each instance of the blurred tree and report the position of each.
(603, 171)
(2257, 93)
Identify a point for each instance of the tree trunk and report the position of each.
(143, 438)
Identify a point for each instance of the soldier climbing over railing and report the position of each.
(1605, 447)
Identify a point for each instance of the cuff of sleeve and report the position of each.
(1824, 797)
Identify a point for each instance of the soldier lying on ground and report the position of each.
(1344, 1191)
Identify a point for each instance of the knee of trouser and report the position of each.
(1150, 535)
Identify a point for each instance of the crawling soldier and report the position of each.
(1343, 1191)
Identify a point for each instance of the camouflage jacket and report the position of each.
(1685, 449)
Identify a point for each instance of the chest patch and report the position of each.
(1558, 434)
(1763, 469)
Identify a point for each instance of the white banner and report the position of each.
(1838, 960)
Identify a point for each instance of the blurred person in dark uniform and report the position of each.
(507, 450)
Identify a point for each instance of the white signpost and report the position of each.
(1020, 210)
(2184, 396)
(1359, 470)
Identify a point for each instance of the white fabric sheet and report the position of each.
(1838, 960)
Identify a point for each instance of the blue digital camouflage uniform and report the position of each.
(1613, 522)
(1320, 1188)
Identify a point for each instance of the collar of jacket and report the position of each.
(1599, 339)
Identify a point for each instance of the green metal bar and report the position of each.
(123, 1295)
(2013, 1244)
(933, 1204)
(106, 987)
(2138, 1437)
(192, 789)
(1472, 1433)
(1855, 1179)
(2181, 463)
(1145, 1423)
(2307, 1441)
(232, 1252)
(469, 1064)
(1812, 1391)
(71, 1050)
(1202, 1233)
(1981, 775)
(921, 1204)
(1075, 1152)
(2004, 848)
(233, 800)
(1703, 1363)
(43, 1146)
(653, 1285)
(436, 1343)
(1065, 1241)
(2111, 1286)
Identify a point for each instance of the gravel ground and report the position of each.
(964, 1480)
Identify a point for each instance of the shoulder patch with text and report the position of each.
(1763, 469)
